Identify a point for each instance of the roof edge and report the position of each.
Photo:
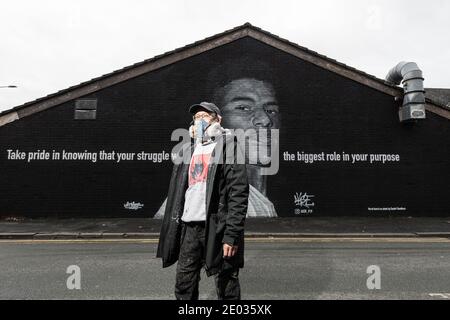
(198, 47)
(130, 67)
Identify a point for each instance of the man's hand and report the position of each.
(229, 251)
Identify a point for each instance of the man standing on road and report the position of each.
(207, 203)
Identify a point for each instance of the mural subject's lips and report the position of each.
(259, 144)
(258, 149)
(253, 143)
(259, 139)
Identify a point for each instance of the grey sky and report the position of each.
(49, 45)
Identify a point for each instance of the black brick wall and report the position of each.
(321, 111)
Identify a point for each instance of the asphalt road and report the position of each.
(275, 269)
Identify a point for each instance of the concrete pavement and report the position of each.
(148, 228)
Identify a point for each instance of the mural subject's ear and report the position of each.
(191, 131)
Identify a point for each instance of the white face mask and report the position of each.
(200, 127)
(204, 130)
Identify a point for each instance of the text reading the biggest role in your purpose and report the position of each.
(309, 158)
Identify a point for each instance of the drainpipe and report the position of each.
(409, 74)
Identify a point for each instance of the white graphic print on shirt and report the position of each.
(195, 196)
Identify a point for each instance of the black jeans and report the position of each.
(190, 263)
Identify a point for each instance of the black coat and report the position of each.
(227, 192)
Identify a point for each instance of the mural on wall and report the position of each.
(341, 148)
(247, 100)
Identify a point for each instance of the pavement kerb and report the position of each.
(55, 235)
(433, 234)
(17, 235)
(154, 235)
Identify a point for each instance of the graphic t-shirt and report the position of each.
(195, 196)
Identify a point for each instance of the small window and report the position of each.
(86, 109)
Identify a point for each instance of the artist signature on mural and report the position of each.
(133, 205)
(304, 201)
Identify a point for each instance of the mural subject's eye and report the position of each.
(243, 107)
(272, 111)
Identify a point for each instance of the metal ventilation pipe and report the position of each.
(409, 74)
